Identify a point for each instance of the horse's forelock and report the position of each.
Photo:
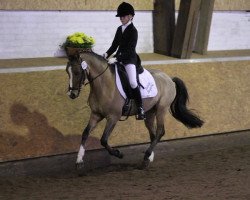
(73, 57)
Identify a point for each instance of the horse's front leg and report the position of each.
(94, 119)
(104, 140)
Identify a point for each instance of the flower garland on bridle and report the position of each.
(77, 43)
(79, 40)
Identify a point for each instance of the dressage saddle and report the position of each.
(126, 85)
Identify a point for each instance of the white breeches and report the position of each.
(131, 71)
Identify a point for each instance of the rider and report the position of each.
(125, 40)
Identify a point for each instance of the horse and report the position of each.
(106, 102)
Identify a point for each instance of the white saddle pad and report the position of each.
(146, 80)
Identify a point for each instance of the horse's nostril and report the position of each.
(72, 96)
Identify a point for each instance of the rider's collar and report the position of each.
(126, 25)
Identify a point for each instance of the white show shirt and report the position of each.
(125, 26)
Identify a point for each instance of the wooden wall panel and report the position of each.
(204, 24)
(72, 4)
(184, 36)
(225, 5)
(164, 26)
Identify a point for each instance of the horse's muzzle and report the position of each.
(73, 94)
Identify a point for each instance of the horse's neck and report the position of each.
(102, 78)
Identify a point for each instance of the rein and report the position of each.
(92, 79)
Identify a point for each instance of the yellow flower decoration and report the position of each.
(79, 40)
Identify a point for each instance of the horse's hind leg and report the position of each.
(160, 131)
(94, 119)
(150, 124)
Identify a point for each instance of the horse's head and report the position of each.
(76, 75)
(84, 65)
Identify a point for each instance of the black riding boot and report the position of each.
(138, 102)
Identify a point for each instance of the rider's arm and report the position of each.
(115, 42)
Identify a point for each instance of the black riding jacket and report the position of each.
(126, 44)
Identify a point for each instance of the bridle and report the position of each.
(82, 79)
(90, 80)
(85, 73)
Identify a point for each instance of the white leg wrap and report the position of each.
(80, 155)
(151, 157)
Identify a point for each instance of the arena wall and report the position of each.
(28, 34)
(38, 28)
(38, 118)
(73, 4)
(222, 5)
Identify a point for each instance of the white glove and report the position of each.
(105, 55)
(112, 60)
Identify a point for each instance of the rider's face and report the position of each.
(125, 19)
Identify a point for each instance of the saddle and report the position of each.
(126, 85)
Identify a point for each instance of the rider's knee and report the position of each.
(133, 84)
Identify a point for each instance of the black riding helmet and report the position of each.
(125, 9)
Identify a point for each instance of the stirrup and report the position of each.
(141, 114)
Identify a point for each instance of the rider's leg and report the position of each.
(138, 101)
(131, 71)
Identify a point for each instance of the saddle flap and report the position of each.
(148, 90)
(124, 80)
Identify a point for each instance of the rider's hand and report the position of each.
(112, 60)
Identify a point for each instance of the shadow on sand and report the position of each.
(41, 139)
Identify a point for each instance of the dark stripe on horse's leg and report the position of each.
(149, 123)
(94, 119)
(149, 154)
(104, 140)
(85, 134)
(159, 133)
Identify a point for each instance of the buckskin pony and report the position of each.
(106, 102)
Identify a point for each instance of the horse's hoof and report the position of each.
(118, 154)
(80, 169)
(145, 164)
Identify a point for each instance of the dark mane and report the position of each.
(99, 57)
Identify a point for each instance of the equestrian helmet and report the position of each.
(125, 9)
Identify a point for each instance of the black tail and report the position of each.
(179, 108)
